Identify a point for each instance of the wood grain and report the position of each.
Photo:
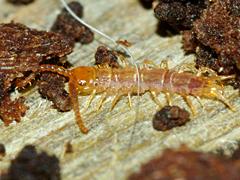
(111, 150)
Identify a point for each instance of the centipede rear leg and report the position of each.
(220, 97)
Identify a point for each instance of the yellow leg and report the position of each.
(220, 97)
(164, 64)
(189, 103)
(227, 77)
(103, 97)
(129, 101)
(149, 63)
(187, 68)
(169, 98)
(203, 70)
(90, 98)
(200, 101)
(155, 99)
(115, 100)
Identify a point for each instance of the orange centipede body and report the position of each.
(123, 81)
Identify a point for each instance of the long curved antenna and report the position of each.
(126, 51)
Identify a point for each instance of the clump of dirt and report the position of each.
(186, 164)
(210, 30)
(170, 117)
(180, 15)
(70, 27)
(106, 56)
(22, 51)
(29, 164)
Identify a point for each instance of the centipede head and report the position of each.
(84, 79)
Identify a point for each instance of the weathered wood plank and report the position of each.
(105, 152)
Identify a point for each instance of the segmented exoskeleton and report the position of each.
(123, 81)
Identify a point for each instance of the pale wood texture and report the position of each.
(111, 150)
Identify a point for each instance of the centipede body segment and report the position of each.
(123, 82)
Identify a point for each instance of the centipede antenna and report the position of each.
(117, 46)
(126, 51)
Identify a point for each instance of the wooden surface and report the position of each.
(111, 150)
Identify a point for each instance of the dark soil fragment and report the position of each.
(215, 38)
(2, 151)
(179, 14)
(236, 154)
(19, 2)
(32, 165)
(12, 110)
(189, 165)
(55, 91)
(146, 3)
(219, 30)
(22, 50)
(170, 117)
(106, 56)
(70, 27)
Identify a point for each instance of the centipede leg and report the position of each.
(103, 97)
(203, 70)
(227, 77)
(220, 97)
(189, 103)
(200, 101)
(73, 92)
(155, 99)
(164, 64)
(129, 100)
(187, 68)
(115, 100)
(148, 63)
(169, 98)
(90, 98)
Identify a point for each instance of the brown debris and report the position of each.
(218, 31)
(106, 56)
(32, 165)
(236, 154)
(215, 38)
(55, 91)
(22, 50)
(170, 117)
(2, 151)
(12, 110)
(19, 2)
(179, 14)
(210, 30)
(188, 165)
(70, 27)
